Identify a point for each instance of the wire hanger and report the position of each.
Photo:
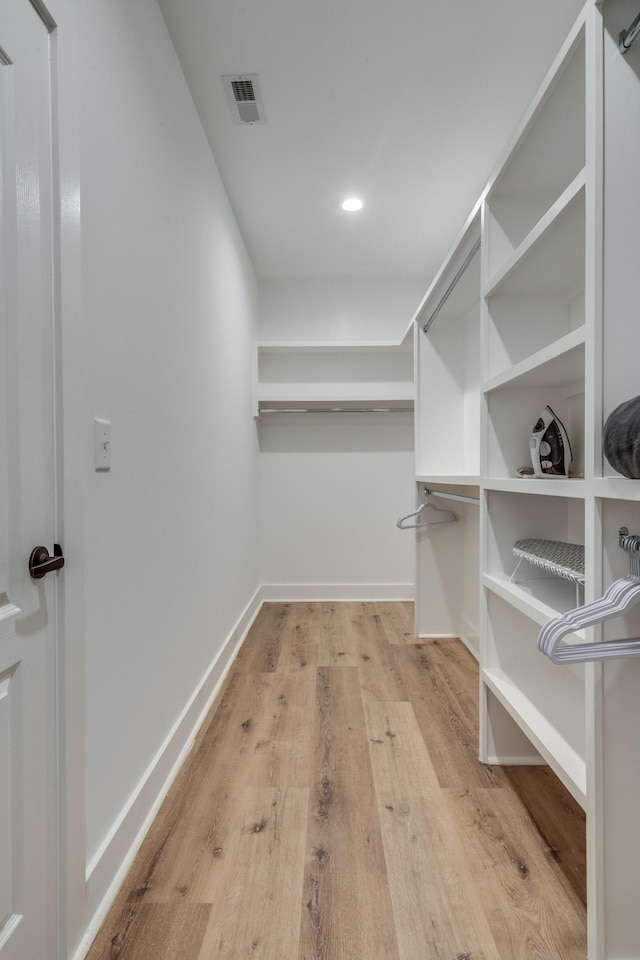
(435, 516)
(619, 596)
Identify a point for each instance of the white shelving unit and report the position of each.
(548, 315)
(325, 376)
(537, 331)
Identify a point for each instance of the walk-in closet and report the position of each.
(319, 480)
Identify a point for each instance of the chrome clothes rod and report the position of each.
(627, 37)
(272, 410)
(428, 492)
(452, 285)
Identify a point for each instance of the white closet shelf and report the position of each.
(556, 743)
(561, 363)
(449, 479)
(540, 600)
(573, 194)
(552, 264)
(333, 346)
(336, 405)
(405, 345)
(546, 488)
(616, 488)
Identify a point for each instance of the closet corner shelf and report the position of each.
(546, 223)
(562, 757)
(449, 479)
(336, 346)
(539, 487)
(365, 403)
(616, 488)
(552, 597)
(560, 363)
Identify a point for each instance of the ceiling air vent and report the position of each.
(245, 100)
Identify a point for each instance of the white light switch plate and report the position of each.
(102, 437)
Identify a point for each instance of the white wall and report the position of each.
(170, 301)
(331, 489)
(333, 485)
(338, 308)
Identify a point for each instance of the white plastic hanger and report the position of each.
(435, 516)
(619, 596)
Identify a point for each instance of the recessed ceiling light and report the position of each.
(352, 204)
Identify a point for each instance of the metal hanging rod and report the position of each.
(627, 37)
(428, 492)
(452, 285)
(272, 410)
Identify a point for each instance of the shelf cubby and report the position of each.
(539, 300)
(546, 157)
(561, 221)
(560, 362)
(512, 411)
(614, 514)
(547, 703)
(516, 516)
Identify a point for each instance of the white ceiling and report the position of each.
(408, 103)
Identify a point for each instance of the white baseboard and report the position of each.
(533, 760)
(471, 645)
(470, 642)
(470, 637)
(108, 868)
(309, 592)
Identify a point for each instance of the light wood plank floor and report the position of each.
(333, 809)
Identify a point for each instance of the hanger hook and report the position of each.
(630, 543)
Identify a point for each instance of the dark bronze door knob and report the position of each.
(41, 563)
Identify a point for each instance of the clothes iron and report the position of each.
(550, 447)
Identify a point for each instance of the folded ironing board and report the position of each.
(562, 559)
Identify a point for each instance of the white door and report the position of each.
(27, 515)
